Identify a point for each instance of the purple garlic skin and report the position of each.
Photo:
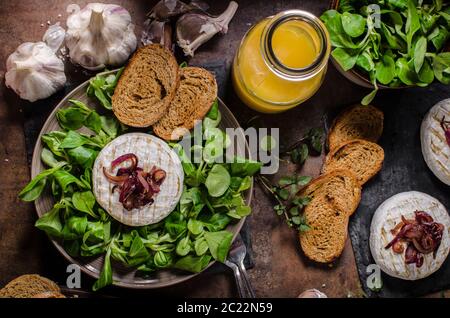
(157, 32)
(194, 29)
(166, 9)
(158, 29)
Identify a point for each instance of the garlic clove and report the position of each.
(157, 32)
(34, 71)
(166, 9)
(54, 37)
(194, 29)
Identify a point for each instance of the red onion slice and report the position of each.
(114, 179)
(422, 235)
(136, 186)
(129, 156)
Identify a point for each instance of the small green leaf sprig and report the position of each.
(310, 144)
(283, 193)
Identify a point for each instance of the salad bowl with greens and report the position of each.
(383, 44)
(213, 206)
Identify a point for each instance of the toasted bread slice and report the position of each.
(363, 158)
(28, 286)
(193, 99)
(48, 294)
(356, 122)
(334, 197)
(147, 86)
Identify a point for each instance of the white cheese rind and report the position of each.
(384, 220)
(151, 151)
(435, 149)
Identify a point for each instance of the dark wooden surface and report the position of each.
(280, 268)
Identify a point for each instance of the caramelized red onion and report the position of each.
(127, 157)
(136, 186)
(422, 236)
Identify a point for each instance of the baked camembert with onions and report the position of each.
(409, 235)
(138, 179)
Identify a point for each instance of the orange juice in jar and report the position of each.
(281, 61)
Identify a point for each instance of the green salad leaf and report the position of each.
(34, 189)
(188, 239)
(218, 181)
(102, 88)
(219, 243)
(400, 46)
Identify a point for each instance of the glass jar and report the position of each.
(281, 61)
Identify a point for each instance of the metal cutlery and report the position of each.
(236, 262)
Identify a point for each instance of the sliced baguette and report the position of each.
(363, 158)
(147, 86)
(193, 99)
(356, 122)
(28, 286)
(334, 197)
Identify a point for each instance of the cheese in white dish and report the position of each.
(435, 149)
(388, 215)
(150, 151)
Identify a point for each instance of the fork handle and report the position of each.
(240, 284)
(246, 280)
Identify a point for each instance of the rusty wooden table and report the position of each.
(280, 268)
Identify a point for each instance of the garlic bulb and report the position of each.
(99, 35)
(34, 72)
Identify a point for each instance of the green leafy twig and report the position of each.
(310, 143)
(282, 193)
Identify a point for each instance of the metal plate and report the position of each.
(124, 276)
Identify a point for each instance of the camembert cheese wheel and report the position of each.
(435, 149)
(388, 215)
(150, 151)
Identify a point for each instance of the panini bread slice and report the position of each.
(28, 286)
(195, 94)
(435, 149)
(363, 158)
(146, 87)
(356, 122)
(388, 215)
(334, 197)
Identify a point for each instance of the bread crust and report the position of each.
(124, 109)
(27, 286)
(181, 117)
(328, 214)
(370, 130)
(362, 170)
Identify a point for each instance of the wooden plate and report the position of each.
(124, 276)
